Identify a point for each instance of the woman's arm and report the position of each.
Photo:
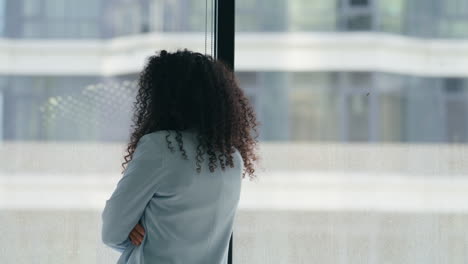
(135, 189)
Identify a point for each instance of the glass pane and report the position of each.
(363, 109)
(66, 102)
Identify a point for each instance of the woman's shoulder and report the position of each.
(161, 136)
(167, 133)
(155, 134)
(153, 138)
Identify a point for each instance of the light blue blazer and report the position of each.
(188, 217)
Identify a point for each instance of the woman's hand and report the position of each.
(137, 234)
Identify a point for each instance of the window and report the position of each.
(453, 18)
(127, 18)
(313, 103)
(65, 107)
(31, 8)
(319, 15)
(456, 111)
(391, 106)
(2, 18)
(359, 2)
(363, 106)
(356, 15)
(60, 19)
(356, 150)
(261, 15)
(392, 16)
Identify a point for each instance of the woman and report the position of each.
(191, 145)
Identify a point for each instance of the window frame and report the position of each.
(224, 34)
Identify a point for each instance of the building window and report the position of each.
(126, 18)
(31, 8)
(357, 121)
(60, 19)
(456, 112)
(453, 85)
(317, 15)
(359, 2)
(453, 18)
(356, 15)
(2, 17)
(261, 15)
(391, 16)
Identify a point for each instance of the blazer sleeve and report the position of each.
(125, 207)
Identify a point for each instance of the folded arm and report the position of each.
(135, 189)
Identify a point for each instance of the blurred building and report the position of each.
(316, 70)
(322, 70)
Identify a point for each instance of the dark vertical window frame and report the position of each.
(224, 32)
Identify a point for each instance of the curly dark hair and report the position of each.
(189, 90)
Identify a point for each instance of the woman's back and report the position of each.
(190, 215)
(177, 195)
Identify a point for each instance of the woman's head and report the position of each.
(189, 90)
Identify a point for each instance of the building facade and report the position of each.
(330, 71)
